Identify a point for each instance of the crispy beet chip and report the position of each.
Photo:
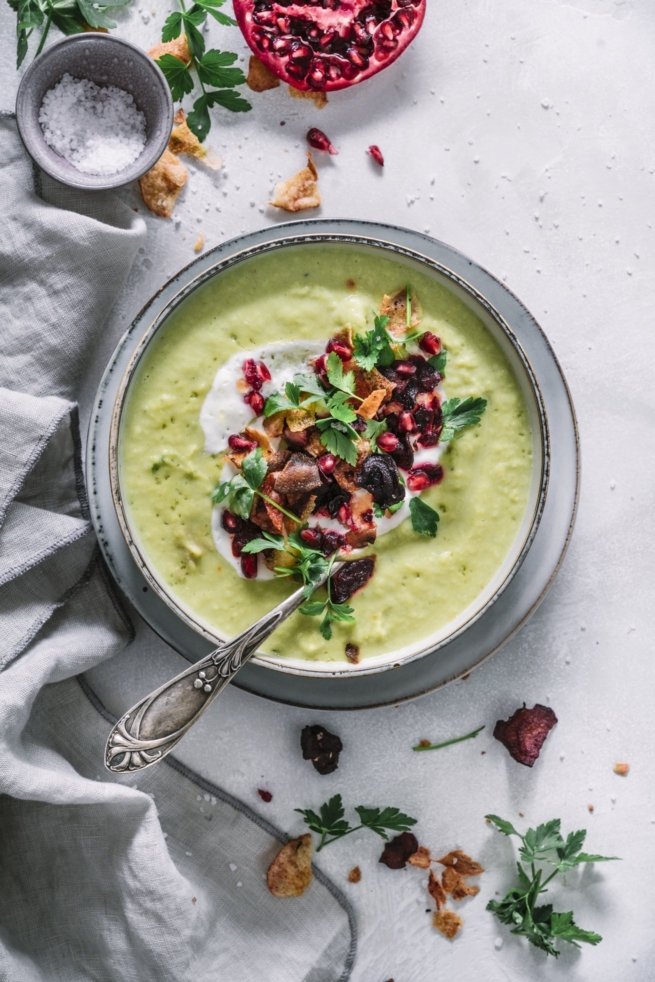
(321, 747)
(350, 578)
(396, 853)
(264, 794)
(524, 733)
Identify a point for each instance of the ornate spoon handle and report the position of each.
(150, 729)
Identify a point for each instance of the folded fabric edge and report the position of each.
(207, 786)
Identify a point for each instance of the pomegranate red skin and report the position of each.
(328, 46)
(376, 154)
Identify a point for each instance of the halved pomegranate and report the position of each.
(328, 44)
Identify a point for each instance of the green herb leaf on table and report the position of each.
(459, 414)
(543, 846)
(179, 79)
(331, 824)
(212, 7)
(425, 520)
(68, 16)
(426, 745)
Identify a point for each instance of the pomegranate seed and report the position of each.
(319, 141)
(312, 537)
(331, 542)
(429, 438)
(240, 443)
(424, 476)
(255, 373)
(264, 795)
(326, 463)
(406, 422)
(340, 349)
(430, 343)
(230, 522)
(344, 514)
(249, 566)
(320, 365)
(388, 442)
(405, 368)
(376, 154)
(256, 402)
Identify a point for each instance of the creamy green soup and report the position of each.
(309, 293)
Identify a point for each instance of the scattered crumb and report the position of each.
(290, 873)
(459, 861)
(183, 140)
(590, 809)
(447, 922)
(319, 99)
(622, 769)
(454, 883)
(352, 652)
(199, 244)
(420, 858)
(194, 900)
(260, 78)
(299, 192)
(425, 743)
(161, 185)
(350, 284)
(355, 875)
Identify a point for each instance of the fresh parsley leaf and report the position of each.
(339, 442)
(374, 347)
(458, 414)
(267, 541)
(213, 69)
(540, 924)
(177, 74)
(228, 100)
(95, 12)
(212, 8)
(172, 26)
(338, 407)
(438, 362)
(425, 520)
(331, 824)
(345, 381)
(254, 468)
(198, 119)
(384, 820)
(239, 492)
(374, 428)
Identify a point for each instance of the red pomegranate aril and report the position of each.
(331, 541)
(429, 438)
(326, 463)
(424, 476)
(344, 514)
(340, 349)
(240, 444)
(312, 537)
(320, 365)
(256, 402)
(388, 442)
(376, 154)
(430, 343)
(405, 368)
(319, 141)
(255, 373)
(406, 422)
(249, 566)
(231, 523)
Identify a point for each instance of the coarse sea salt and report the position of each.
(96, 128)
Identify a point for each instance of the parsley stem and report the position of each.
(326, 842)
(294, 518)
(447, 743)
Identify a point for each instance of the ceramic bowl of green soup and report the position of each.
(324, 394)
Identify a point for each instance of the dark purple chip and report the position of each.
(351, 577)
(524, 733)
(396, 853)
(264, 794)
(321, 747)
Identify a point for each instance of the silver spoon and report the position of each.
(150, 729)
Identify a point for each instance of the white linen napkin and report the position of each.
(102, 880)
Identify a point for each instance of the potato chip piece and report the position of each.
(178, 47)
(290, 873)
(299, 192)
(369, 407)
(420, 858)
(455, 884)
(622, 769)
(161, 185)
(436, 891)
(183, 140)
(369, 382)
(260, 78)
(447, 922)
(464, 865)
(355, 875)
(298, 420)
(319, 99)
(395, 308)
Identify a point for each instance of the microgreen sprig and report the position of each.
(542, 847)
(240, 491)
(331, 824)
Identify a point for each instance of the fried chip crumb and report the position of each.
(260, 78)
(290, 873)
(590, 809)
(300, 192)
(355, 875)
(178, 47)
(199, 244)
(352, 652)
(319, 99)
(464, 865)
(420, 858)
(447, 922)
(425, 743)
(622, 769)
(455, 884)
(436, 891)
(183, 140)
(161, 185)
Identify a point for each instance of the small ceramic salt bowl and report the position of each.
(107, 61)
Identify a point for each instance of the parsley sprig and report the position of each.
(331, 824)
(458, 414)
(214, 72)
(374, 347)
(425, 519)
(239, 492)
(314, 568)
(69, 16)
(540, 849)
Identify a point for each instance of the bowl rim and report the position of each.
(145, 160)
(291, 236)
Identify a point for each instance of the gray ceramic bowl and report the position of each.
(105, 60)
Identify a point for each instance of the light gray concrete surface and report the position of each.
(524, 135)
